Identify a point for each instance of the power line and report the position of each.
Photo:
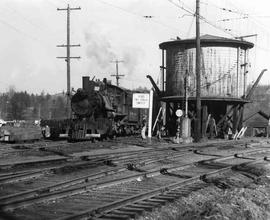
(183, 8)
(17, 30)
(201, 18)
(224, 9)
(231, 19)
(27, 19)
(191, 24)
(26, 34)
(136, 14)
(22, 16)
(252, 18)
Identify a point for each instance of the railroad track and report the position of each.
(106, 171)
(112, 159)
(130, 206)
(131, 159)
(129, 195)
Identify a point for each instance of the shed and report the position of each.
(257, 124)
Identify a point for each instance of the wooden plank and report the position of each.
(133, 214)
(235, 117)
(115, 216)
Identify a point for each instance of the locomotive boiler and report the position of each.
(92, 111)
(91, 100)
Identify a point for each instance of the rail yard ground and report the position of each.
(133, 178)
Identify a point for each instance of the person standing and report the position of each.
(159, 127)
(143, 127)
(212, 127)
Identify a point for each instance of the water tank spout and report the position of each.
(159, 93)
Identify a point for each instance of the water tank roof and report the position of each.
(207, 40)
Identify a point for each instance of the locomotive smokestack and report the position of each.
(85, 83)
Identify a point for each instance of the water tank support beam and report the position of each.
(225, 116)
(239, 122)
(204, 120)
(251, 91)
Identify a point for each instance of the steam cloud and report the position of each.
(100, 54)
(98, 49)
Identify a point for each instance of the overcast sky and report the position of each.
(115, 29)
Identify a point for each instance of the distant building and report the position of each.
(2, 122)
(257, 125)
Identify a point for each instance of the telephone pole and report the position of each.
(198, 73)
(117, 76)
(68, 57)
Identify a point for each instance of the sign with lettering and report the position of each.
(140, 100)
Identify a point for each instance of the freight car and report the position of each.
(99, 110)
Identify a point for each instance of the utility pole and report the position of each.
(117, 76)
(68, 57)
(198, 73)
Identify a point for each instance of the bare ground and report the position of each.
(235, 196)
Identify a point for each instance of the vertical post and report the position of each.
(235, 118)
(267, 129)
(237, 72)
(7, 110)
(198, 72)
(245, 73)
(186, 93)
(185, 120)
(39, 111)
(162, 72)
(68, 63)
(117, 76)
(67, 58)
(68, 51)
(204, 120)
(150, 114)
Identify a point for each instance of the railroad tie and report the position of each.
(132, 209)
(132, 214)
(148, 202)
(143, 206)
(114, 216)
(177, 193)
(161, 201)
(166, 197)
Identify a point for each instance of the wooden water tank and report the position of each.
(224, 67)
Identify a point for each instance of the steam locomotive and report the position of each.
(99, 110)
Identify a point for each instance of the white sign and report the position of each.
(179, 112)
(140, 100)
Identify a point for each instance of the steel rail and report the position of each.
(103, 210)
(13, 177)
(34, 196)
(19, 199)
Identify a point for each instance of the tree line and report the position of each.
(24, 106)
